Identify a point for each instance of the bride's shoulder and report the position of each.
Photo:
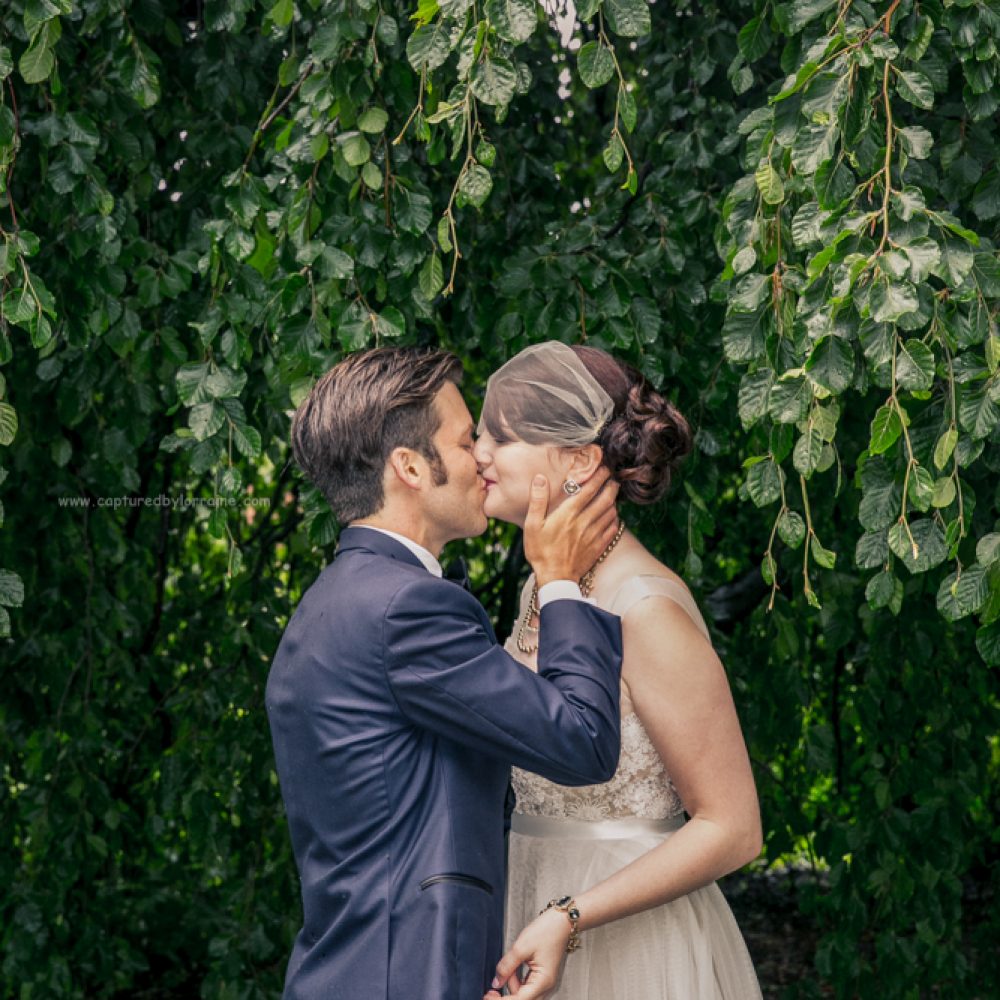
(632, 589)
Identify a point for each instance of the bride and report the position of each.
(613, 874)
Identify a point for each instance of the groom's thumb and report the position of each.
(538, 504)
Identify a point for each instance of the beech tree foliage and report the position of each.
(785, 213)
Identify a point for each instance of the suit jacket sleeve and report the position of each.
(448, 675)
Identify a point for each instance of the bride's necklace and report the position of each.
(586, 586)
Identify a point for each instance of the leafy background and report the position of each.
(785, 213)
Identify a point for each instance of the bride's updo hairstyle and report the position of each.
(646, 438)
(562, 396)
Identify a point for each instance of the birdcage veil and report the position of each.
(545, 395)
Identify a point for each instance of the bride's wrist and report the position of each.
(567, 906)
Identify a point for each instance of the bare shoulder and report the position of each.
(631, 559)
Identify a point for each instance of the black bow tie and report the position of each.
(458, 572)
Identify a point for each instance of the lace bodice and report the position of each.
(641, 785)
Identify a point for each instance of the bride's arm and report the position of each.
(681, 695)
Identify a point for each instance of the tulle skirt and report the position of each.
(688, 949)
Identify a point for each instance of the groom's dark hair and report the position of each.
(359, 411)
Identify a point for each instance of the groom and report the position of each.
(394, 713)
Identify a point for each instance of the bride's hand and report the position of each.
(541, 946)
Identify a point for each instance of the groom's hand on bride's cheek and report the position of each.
(562, 544)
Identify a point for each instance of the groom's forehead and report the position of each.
(452, 409)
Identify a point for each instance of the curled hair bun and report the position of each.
(647, 437)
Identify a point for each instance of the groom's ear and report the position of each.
(586, 460)
(407, 467)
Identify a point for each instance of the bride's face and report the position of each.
(508, 467)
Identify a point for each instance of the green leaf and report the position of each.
(764, 483)
(890, 300)
(955, 264)
(139, 77)
(988, 549)
(8, 423)
(413, 211)
(881, 590)
(628, 18)
(824, 557)
(431, 278)
(373, 120)
(872, 549)
(36, 63)
(790, 399)
(917, 141)
(281, 13)
(390, 323)
(924, 255)
(755, 390)
(831, 365)
(427, 48)
(963, 594)
(806, 224)
(977, 413)
(614, 153)
(586, 9)
(754, 38)
(986, 197)
(922, 547)
(355, 148)
(813, 145)
(944, 492)
(920, 488)
(915, 365)
(372, 177)
(11, 589)
(444, 235)
(769, 183)
(988, 643)
(986, 274)
(225, 382)
(744, 260)
(800, 13)
(513, 20)
(627, 108)
(791, 529)
(476, 184)
(886, 428)
(808, 451)
(191, 383)
(205, 419)
(595, 64)
(834, 183)
(494, 81)
(945, 447)
(909, 202)
(913, 86)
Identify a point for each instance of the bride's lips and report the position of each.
(489, 483)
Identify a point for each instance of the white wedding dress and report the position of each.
(568, 839)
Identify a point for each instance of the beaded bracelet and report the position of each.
(568, 906)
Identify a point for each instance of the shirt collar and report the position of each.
(430, 563)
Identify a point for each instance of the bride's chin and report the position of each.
(496, 512)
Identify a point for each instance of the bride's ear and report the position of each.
(585, 461)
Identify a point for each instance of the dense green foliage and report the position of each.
(785, 213)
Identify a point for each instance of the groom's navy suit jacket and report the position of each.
(395, 718)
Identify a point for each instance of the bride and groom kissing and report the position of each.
(396, 716)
